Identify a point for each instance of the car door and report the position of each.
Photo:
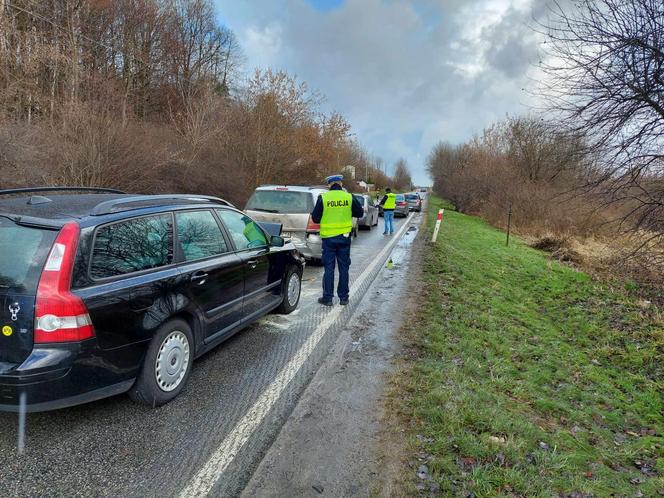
(214, 272)
(262, 286)
(127, 276)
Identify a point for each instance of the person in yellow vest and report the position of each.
(335, 210)
(389, 203)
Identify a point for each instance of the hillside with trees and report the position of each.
(151, 96)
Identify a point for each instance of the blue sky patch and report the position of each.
(325, 5)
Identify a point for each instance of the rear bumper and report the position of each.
(56, 404)
(310, 246)
(59, 376)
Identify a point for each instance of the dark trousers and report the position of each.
(336, 249)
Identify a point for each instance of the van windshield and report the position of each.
(23, 252)
(281, 201)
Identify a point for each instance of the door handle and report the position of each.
(199, 277)
(253, 263)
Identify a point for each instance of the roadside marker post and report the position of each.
(439, 220)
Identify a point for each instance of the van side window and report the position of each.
(245, 232)
(131, 246)
(199, 235)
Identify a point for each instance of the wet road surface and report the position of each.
(212, 437)
(340, 440)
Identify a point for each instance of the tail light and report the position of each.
(402, 203)
(60, 316)
(312, 227)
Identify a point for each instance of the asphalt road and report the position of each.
(213, 436)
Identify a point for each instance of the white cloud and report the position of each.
(406, 73)
(262, 45)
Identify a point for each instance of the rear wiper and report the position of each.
(264, 210)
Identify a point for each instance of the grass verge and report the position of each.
(530, 378)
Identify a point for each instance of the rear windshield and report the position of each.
(411, 197)
(400, 197)
(23, 253)
(360, 198)
(281, 201)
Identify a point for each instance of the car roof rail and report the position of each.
(111, 205)
(277, 185)
(60, 189)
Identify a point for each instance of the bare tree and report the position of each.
(402, 179)
(605, 79)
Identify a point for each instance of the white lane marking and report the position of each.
(208, 475)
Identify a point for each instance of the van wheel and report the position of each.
(167, 365)
(291, 289)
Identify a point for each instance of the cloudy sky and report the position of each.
(406, 73)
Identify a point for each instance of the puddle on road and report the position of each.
(402, 250)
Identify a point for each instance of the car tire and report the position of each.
(291, 289)
(166, 366)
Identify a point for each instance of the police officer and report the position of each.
(335, 211)
(389, 203)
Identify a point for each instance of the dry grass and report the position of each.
(610, 259)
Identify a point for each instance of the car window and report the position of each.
(412, 197)
(245, 232)
(400, 197)
(281, 201)
(360, 198)
(199, 235)
(133, 245)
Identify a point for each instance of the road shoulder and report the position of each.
(335, 443)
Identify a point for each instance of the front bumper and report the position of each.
(58, 376)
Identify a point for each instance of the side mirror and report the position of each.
(277, 241)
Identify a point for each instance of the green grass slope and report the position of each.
(531, 379)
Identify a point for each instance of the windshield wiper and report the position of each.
(264, 210)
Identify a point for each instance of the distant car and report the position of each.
(401, 208)
(106, 292)
(370, 218)
(291, 205)
(414, 202)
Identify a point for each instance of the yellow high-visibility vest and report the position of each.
(337, 213)
(391, 201)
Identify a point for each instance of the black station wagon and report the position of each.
(104, 292)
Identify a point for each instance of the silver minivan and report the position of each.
(291, 206)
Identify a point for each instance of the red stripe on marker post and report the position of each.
(438, 222)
